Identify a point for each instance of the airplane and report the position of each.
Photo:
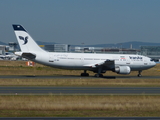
(98, 63)
(2, 57)
(11, 56)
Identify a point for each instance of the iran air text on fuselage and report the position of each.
(136, 57)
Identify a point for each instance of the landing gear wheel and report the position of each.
(84, 74)
(99, 71)
(98, 75)
(101, 75)
(139, 73)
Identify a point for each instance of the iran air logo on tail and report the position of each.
(24, 39)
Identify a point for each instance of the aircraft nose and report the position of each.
(153, 63)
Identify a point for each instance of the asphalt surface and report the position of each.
(41, 90)
(74, 77)
(79, 90)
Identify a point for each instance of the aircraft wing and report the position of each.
(108, 64)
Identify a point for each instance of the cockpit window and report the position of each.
(151, 59)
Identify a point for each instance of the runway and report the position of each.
(73, 77)
(79, 90)
(35, 90)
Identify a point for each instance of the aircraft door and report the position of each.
(82, 59)
(51, 58)
(128, 62)
(145, 62)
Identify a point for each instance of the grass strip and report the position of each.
(79, 106)
(82, 82)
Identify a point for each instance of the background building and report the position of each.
(57, 48)
(13, 47)
(151, 51)
(107, 50)
(2, 49)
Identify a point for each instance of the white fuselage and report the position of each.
(98, 63)
(89, 60)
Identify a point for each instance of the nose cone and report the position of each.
(153, 64)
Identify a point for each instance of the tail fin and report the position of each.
(26, 42)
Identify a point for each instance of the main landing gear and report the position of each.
(98, 75)
(139, 73)
(85, 73)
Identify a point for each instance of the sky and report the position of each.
(79, 22)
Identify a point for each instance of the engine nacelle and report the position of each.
(123, 69)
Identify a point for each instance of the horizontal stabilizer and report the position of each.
(26, 55)
(29, 55)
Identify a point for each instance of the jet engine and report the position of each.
(123, 69)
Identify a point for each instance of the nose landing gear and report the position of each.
(139, 73)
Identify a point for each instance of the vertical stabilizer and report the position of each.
(26, 42)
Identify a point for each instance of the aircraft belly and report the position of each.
(139, 67)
